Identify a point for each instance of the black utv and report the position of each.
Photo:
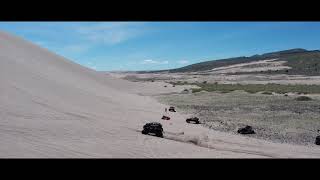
(153, 128)
(172, 109)
(246, 130)
(317, 142)
(193, 120)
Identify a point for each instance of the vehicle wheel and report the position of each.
(159, 135)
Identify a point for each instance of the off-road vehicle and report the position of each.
(172, 109)
(165, 118)
(193, 120)
(153, 128)
(246, 130)
(317, 142)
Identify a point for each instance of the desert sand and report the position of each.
(51, 107)
(256, 66)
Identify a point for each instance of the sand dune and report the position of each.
(256, 66)
(52, 107)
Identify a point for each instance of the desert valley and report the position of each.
(51, 107)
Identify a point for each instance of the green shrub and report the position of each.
(251, 91)
(194, 90)
(226, 91)
(254, 88)
(303, 98)
(267, 93)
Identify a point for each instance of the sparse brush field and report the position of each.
(254, 88)
(274, 117)
(287, 113)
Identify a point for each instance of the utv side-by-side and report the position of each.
(165, 118)
(153, 128)
(172, 109)
(317, 142)
(193, 120)
(246, 130)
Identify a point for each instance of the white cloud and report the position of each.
(110, 33)
(183, 62)
(150, 61)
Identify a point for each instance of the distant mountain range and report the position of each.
(302, 62)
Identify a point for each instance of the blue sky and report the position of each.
(107, 46)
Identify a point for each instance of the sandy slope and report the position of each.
(256, 66)
(51, 107)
